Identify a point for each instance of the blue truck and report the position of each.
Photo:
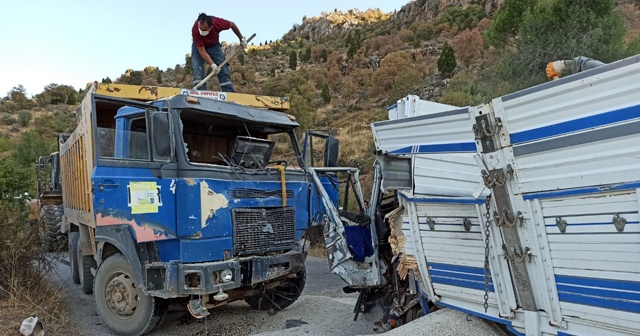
(186, 198)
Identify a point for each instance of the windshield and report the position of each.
(211, 139)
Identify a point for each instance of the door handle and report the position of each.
(101, 186)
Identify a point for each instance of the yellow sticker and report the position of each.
(144, 197)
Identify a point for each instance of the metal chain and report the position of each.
(487, 272)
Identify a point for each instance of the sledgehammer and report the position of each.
(226, 60)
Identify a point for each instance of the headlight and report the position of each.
(226, 275)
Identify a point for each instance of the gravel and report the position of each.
(447, 322)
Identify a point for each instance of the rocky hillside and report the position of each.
(342, 69)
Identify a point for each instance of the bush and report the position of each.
(25, 272)
(468, 46)
(7, 119)
(462, 18)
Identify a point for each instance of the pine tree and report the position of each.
(293, 60)
(159, 77)
(241, 58)
(447, 61)
(326, 95)
(324, 55)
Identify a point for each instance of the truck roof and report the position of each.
(151, 93)
(224, 108)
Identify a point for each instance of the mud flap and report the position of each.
(341, 261)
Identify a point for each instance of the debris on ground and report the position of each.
(32, 326)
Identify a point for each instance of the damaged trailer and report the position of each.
(524, 210)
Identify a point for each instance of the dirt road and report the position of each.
(323, 309)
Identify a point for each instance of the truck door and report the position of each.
(133, 178)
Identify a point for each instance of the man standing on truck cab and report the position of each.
(206, 48)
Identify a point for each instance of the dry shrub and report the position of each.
(25, 272)
(468, 47)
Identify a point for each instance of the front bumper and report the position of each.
(175, 279)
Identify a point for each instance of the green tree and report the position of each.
(135, 78)
(71, 98)
(293, 60)
(241, 58)
(159, 77)
(305, 54)
(324, 55)
(107, 80)
(55, 94)
(326, 95)
(447, 61)
(188, 62)
(507, 22)
(29, 147)
(15, 179)
(18, 94)
(462, 19)
(563, 29)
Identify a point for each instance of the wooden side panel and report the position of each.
(76, 165)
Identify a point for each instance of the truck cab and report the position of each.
(186, 198)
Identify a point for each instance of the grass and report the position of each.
(25, 273)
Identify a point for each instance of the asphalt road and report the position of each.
(323, 309)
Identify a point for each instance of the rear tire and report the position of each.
(280, 297)
(121, 303)
(51, 221)
(85, 263)
(73, 256)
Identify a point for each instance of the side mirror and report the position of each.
(331, 148)
(161, 136)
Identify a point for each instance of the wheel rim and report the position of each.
(121, 295)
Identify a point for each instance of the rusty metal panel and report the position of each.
(149, 93)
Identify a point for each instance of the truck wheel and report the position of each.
(51, 219)
(73, 256)
(84, 269)
(280, 297)
(121, 304)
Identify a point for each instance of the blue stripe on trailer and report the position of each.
(464, 276)
(460, 276)
(582, 191)
(405, 150)
(462, 147)
(451, 200)
(630, 306)
(392, 106)
(600, 292)
(570, 126)
(603, 293)
(457, 268)
(482, 316)
(602, 283)
(479, 285)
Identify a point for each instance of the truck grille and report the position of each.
(256, 193)
(263, 230)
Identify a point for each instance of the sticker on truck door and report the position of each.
(144, 197)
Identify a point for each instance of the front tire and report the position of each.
(280, 297)
(121, 304)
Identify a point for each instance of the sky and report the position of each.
(75, 42)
